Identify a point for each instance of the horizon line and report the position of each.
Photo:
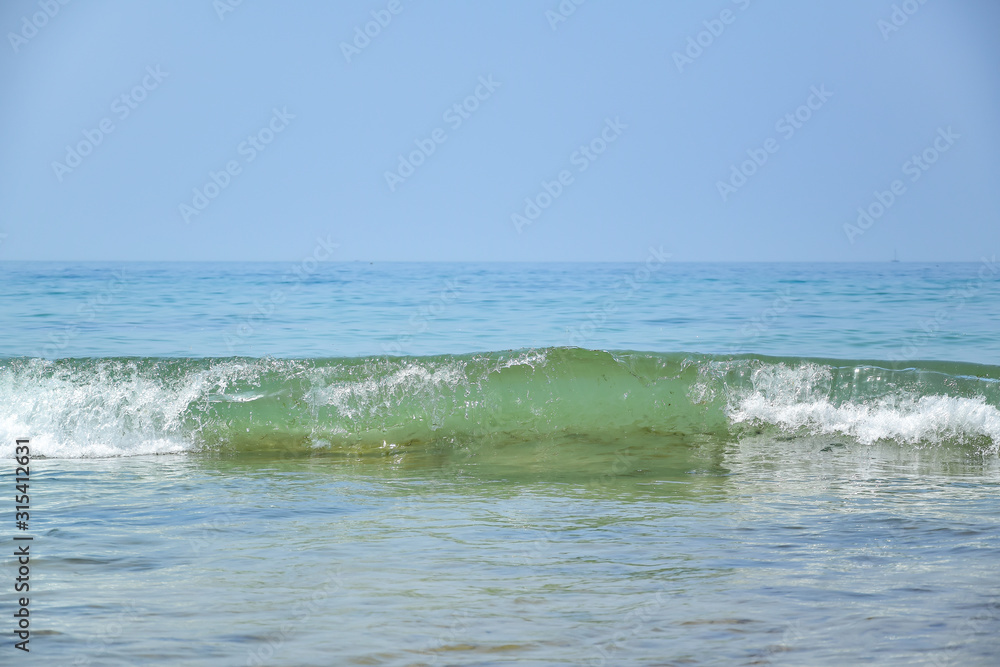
(489, 261)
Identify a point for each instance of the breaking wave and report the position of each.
(133, 406)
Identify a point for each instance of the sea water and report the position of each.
(430, 464)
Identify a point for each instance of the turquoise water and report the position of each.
(312, 309)
(431, 464)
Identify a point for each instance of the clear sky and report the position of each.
(627, 124)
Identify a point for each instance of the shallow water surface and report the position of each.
(652, 551)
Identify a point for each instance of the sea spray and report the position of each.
(357, 406)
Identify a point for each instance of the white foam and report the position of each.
(377, 391)
(106, 409)
(795, 398)
(373, 392)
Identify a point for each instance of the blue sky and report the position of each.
(747, 130)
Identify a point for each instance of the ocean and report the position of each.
(650, 463)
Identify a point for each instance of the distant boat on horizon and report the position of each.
(894, 257)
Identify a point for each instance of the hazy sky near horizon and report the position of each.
(729, 130)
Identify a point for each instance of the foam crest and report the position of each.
(800, 398)
(105, 408)
(74, 408)
(372, 392)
